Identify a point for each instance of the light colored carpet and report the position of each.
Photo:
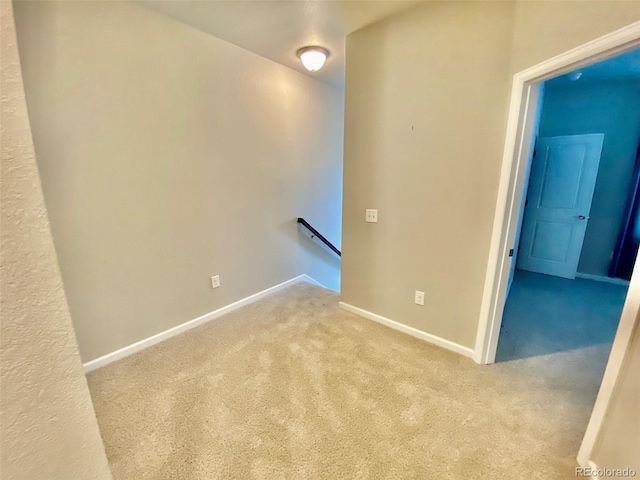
(293, 387)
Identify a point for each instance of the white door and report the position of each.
(563, 177)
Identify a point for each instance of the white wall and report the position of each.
(548, 28)
(618, 441)
(425, 115)
(49, 429)
(168, 156)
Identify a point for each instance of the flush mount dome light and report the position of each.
(573, 76)
(313, 57)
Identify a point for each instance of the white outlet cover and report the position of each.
(215, 281)
(419, 298)
(371, 216)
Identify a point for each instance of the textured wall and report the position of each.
(168, 156)
(49, 430)
(611, 107)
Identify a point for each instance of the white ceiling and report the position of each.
(277, 29)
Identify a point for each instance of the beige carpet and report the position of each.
(293, 387)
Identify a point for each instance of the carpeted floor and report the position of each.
(291, 387)
(546, 314)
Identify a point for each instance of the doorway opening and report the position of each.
(527, 94)
(576, 241)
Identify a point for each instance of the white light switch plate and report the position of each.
(419, 298)
(371, 216)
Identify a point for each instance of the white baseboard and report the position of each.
(600, 278)
(414, 332)
(172, 332)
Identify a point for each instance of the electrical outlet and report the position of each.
(215, 281)
(371, 216)
(419, 298)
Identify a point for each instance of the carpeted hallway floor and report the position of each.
(546, 314)
(291, 387)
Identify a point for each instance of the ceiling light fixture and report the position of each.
(573, 76)
(313, 58)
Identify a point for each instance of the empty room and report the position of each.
(279, 239)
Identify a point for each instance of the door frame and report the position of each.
(523, 105)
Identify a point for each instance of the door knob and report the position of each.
(581, 217)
